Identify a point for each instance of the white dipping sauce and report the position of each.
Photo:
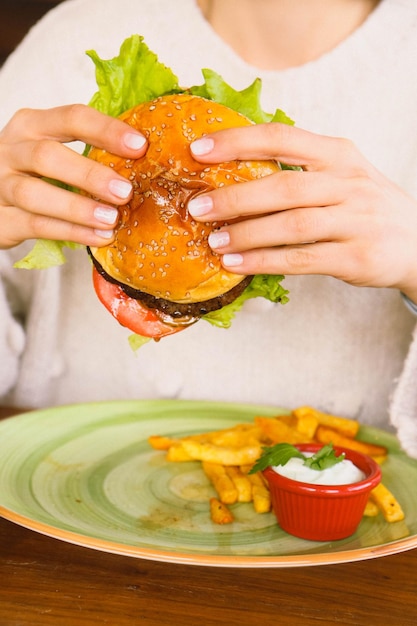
(342, 473)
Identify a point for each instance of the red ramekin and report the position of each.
(322, 512)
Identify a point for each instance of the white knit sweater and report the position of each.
(334, 346)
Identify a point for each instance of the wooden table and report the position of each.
(45, 581)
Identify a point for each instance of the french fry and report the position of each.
(221, 482)
(177, 453)
(306, 425)
(237, 437)
(219, 512)
(387, 503)
(261, 495)
(158, 442)
(380, 459)
(343, 425)
(241, 482)
(328, 435)
(371, 509)
(277, 431)
(217, 454)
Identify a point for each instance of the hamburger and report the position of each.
(160, 257)
(159, 275)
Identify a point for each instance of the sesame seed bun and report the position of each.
(158, 248)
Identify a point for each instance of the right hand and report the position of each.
(32, 147)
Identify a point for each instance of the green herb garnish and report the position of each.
(281, 453)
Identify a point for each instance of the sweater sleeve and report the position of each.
(403, 409)
(12, 340)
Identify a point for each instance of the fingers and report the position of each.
(18, 225)
(54, 160)
(37, 196)
(287, 144)
(326, 163)
(35, 140)
(334, 217)
(32, 149)
(76, 122)
(312, 258)
(277, 192)
(42, 210)
(297, 241)
(277, 229)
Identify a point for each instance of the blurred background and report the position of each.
(16, 18)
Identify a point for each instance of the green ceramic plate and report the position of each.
(85, 474)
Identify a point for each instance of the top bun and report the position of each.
(159, 248)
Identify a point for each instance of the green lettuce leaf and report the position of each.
(264, 285)
(45, 253)
(247, 102)
(133, 77)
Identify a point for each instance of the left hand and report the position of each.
(339, 216)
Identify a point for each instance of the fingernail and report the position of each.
(105, 215)
(200, 205)
(105, 234)
(135, 141)
(199, 147)
(232, 260)
(219, 239)
(120, 188)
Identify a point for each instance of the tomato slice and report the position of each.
(130, 312)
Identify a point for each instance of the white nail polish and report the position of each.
(200, 205)
(104, 234)
(134, 141)
(199, 147)
(106, 215)
(219, 239)
(120, 188)
(232, 260)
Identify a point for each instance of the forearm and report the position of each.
(410, 303)
(12, 342)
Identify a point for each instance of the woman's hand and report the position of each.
(32, 147)
(339, 216)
